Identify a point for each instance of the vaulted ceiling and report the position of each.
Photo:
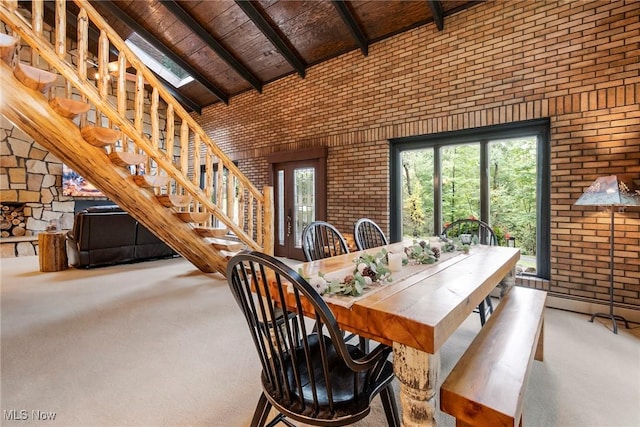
(230, 47)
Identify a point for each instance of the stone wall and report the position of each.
(31, 175)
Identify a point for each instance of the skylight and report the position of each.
(158, 62)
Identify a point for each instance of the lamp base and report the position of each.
(613, 318)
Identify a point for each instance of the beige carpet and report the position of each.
(161, 344)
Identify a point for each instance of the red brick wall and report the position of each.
(498, 62)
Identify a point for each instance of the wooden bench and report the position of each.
(486, 387)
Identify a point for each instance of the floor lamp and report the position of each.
(614, 193)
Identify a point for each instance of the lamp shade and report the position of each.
(610, 191)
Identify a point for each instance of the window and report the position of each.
(499, 174)
(158, 62)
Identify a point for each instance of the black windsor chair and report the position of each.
(322, 240)
(368, 234)
(313, 377)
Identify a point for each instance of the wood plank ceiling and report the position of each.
(230, 47)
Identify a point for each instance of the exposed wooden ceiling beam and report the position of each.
(437, 12)
(274, 37)
(94, 36)
(349, 19)
(206, 37)
(158, 44)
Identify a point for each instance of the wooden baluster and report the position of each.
(260, 215)
(68, 89)
(208, 174)
(61, 40)
(103, 71)
(197, 161)
(240, 202)
(172, 186)
(170, 138)
(230, 194)
(61, 29)
(220, 186)
(139, 106)
(122, 96)
(250, 208)
(184, 149)
(170, 133)
(36, 24)
(83, 42)
(155, 122)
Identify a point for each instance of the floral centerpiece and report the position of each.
(421, 252)
(374, 268)
(368, 269)
(426, 252)
(457, 244)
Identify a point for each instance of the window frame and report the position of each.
(541, 128)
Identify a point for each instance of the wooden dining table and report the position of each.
(416, 313)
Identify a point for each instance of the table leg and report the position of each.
(507, 283)
(418, 374)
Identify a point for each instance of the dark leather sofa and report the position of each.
(107, 235)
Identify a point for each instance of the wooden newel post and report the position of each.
(52, 251)
(268, 237)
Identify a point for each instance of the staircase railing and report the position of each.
(155, 125)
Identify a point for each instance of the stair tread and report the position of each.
(194, 216)
(34, 78)
(223, 240)
(8, 46)
(226, 244)
(150, 181)
(100, 136)
(69, 108)
(174, 200)
(127, 158)
(229, 254)
(211, 231)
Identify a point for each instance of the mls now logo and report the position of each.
(23, 415)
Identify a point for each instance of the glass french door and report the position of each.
(299, 196)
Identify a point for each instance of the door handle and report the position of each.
(288, 225)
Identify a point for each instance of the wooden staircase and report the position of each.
(94, 128)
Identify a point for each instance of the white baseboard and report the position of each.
(591, 308)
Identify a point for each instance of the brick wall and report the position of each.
(498, 62)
